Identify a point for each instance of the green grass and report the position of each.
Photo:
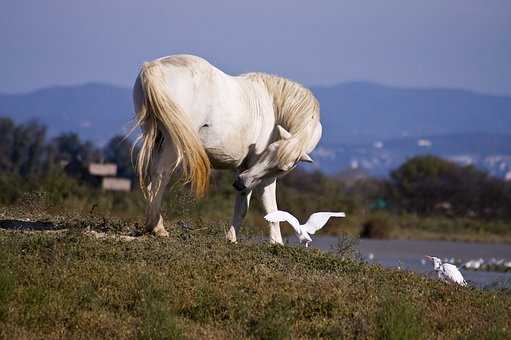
(60, 195)
(196, 285)
(398, 318)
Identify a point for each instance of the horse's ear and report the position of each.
(306, 158)
(283, 133)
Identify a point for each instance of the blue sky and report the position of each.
(444, 43)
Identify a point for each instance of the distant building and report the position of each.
(508, 176)
(103, 169)
(116, 184)
(105, 174)
(424, 143)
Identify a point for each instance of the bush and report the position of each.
(377, 226)
(398, 318)
(429, 185)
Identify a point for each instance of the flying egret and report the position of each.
(447, 272)
(315, 222)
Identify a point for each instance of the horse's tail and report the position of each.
(159, 116)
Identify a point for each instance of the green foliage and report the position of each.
(200, 286)
(275, 321)
(7, 285)
(426, 193)
(12, 187)
(379, 226)
(157, 321)
(399, 319)
(68, 147)
(429, 185)
(118, 151)
(22, 147)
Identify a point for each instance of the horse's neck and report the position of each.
(260, 114)
(263, 116)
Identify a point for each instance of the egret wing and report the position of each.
(453, 274)
(281, 216)
(318, 220)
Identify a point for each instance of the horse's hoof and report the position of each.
(274, 242)
(231, 235)
(160, 232)
(232, 240)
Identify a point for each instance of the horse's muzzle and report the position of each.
(239, 185)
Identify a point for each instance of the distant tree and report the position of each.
(22, 147)
(69, 147)
(370, 192)
(7, 136)
(425, 184)
(118, 150)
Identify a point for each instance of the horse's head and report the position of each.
(277, 159)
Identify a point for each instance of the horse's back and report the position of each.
(190, 62)
(214, 103)
(191, 80)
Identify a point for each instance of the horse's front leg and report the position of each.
(269, 201)
(240, 211)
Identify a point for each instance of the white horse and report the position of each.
(195, 117)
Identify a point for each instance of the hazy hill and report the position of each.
(95, 111)
(362, 112)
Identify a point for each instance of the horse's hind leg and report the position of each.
(240, 211)
(269, 201)
(160, 176)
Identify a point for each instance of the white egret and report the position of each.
(474, 264)
(315, 222)
(447, 272)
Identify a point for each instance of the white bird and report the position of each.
(474, 264)
(315, 222)
(447, 272)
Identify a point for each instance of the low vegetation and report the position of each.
(427, 197)
(58, 194)
(80, 277)
(378, 226)
(196, 285)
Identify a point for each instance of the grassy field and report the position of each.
(62, 196)
(68, 285)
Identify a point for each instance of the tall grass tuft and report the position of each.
(399, 319)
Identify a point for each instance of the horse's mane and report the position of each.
(296, 109)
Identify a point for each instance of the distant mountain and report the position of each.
(360, 112)
(95, 111)
(355, 116)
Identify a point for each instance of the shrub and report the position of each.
(427, 185)
(399, 319)
(377, 226)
